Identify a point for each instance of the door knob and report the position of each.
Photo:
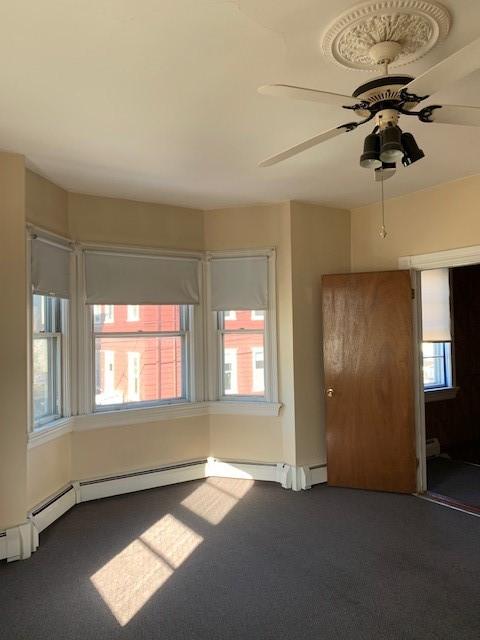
(330, 392)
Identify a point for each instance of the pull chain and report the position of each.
(383, 229)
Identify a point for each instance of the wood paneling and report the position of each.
(368, 353)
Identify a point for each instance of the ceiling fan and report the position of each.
(384, 100)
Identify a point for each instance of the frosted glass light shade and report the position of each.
(436, 306)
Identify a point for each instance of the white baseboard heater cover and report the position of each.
(49, 511)
(140, 480)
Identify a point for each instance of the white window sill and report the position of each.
(446, 393)
(105, 419)
(50, 431)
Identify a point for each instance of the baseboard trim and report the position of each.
(20, 541)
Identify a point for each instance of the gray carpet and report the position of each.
(454, 479)
(321, 564)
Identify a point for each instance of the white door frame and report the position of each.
(460, 257)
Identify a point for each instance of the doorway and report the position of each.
(450, 358)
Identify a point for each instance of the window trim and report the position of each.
(214, 357)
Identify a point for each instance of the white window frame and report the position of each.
(214, 364)
(258, 314)
(67, 355)
(133, 313)
(194, 344)
(230, 315)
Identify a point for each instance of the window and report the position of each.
(47, 357)
(230, 371)
(242, 342)
(140, 367)
(108, 313)
(437, 365)
(258, 315)
(133, 312)
(230, 315)
(258, 369)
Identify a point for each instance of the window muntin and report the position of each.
(147, 364)
(437, 365)
(242, 344)
(47, 335)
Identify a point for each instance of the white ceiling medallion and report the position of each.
(410, 27)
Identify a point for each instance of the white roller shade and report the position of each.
(113, 278)
(436, 306)
(50, 269)
(239, 283)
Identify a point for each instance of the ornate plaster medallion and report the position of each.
(357, 38)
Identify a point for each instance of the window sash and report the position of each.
(221, 333)
(185, 336)
(54, 383)
(442, 362)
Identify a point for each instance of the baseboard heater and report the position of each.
(44, 514)
(138, 481)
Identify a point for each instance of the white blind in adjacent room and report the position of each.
(50, 268)
(239, 283)
(114, 278)
(436, 305)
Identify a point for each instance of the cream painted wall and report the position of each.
(13, 343)
(48, 469)
(253, 438)
(46, 204)
(138, 446)
(320, 245)
(444, 217)
(96, 219)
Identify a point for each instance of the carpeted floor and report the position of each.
(227, 559)
(454, 479)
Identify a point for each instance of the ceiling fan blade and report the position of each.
(456, 114)
(456, 66)
(312, 95)
(311, 142)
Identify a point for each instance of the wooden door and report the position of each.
(369, 381)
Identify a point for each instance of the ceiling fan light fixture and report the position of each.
(370, 158)
(391, 143)
(412, 150)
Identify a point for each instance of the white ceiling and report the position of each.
(156, 100)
